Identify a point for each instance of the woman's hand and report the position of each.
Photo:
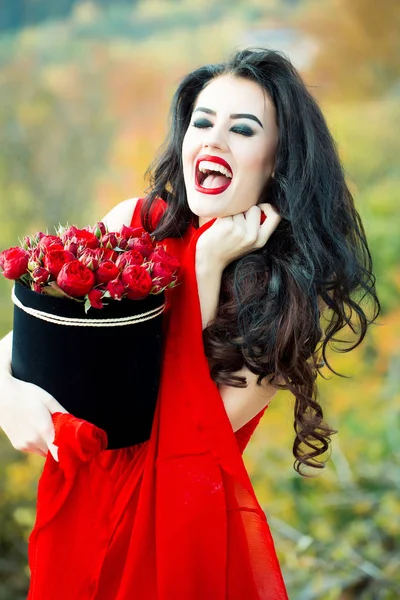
(25, 409)
(232, 237)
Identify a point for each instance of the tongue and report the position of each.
(215, 181)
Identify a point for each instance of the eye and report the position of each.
(242, 130)
(202, 123)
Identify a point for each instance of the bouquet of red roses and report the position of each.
(92, 264)
(101, 365)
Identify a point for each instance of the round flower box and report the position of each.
(103, 366)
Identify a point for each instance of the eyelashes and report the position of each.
(240, 129)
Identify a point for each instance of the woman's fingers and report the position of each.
(51, 403)
(271, 222)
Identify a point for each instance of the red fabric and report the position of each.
(174, 518)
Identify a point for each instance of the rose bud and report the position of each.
(50, 242)
(54, 260)
(14, 262)
(106, 271)
(36, 254)
(36, 287)
(116, 289)
(131, 257)
(71, 247)
(161, 256)
(138, 282)
(99, 229)
(27, 243)
(75, 279)
(94, 297)
(122, 243)
(33, 264)
(90, 257)
(40, 275)
(109, 254)
(128, 232)
(34, 259)
(162, 274)
(109, 240)
(68, 233)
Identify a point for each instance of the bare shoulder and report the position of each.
(119, 215)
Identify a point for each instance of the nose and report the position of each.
(214, 138)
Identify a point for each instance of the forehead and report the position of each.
(229, 94)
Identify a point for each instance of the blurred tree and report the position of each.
(359, 47)
(56, 136)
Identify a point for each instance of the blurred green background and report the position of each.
(86, 87)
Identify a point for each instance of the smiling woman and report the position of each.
(250, 195)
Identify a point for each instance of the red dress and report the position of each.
(173, 518)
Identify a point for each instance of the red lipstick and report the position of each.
(217, 160)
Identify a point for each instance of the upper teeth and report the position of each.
(206, 165)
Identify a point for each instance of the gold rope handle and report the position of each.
(81, 322)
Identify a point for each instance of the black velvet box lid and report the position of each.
(107, 375)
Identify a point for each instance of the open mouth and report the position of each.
(213, 175)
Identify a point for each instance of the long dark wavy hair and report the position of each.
(281, 306)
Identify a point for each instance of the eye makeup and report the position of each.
(240, 129)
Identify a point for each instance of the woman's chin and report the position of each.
(204, 212)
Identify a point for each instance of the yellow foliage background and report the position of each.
(83, 111)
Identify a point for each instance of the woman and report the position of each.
(249, 192)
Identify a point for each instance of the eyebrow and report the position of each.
(234, 116)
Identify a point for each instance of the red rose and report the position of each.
(161, 256)
(116, 289)
(106, 271)
(144, 245)
(109, 240)
(131, 257)
(14, 262)
(75, 279)
(162, 275)
(50, 242)
(40, 275)
(94, 297)
(129, 232)
(54, 260)
(36, 287)
(138, 282)
(81, 237)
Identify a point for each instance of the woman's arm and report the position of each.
(5, 355)
(241, 404)
(119, 215)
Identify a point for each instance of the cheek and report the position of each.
(258, 164)
(186, 160)
(189, 150)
